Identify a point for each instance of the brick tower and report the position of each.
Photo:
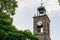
(41, 24)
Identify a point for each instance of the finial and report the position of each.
(41, 2)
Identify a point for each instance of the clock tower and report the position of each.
(41, 24)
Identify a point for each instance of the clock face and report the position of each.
(39, 23)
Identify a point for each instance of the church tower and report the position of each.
(41, 24)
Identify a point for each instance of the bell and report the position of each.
(41, 12)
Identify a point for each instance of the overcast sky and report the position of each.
(26, 10)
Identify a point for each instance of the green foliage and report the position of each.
(8, 6)
(3, 34)
(30, 36)
(59, 2)
(7, 30)
(5, 21)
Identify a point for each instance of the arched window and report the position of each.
(41, 29)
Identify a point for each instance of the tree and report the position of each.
(7, 29)
(30, 36)
(59, 2)
(8, 6)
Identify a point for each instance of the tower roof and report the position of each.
(41, 8)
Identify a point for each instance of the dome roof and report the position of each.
(41, 8)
